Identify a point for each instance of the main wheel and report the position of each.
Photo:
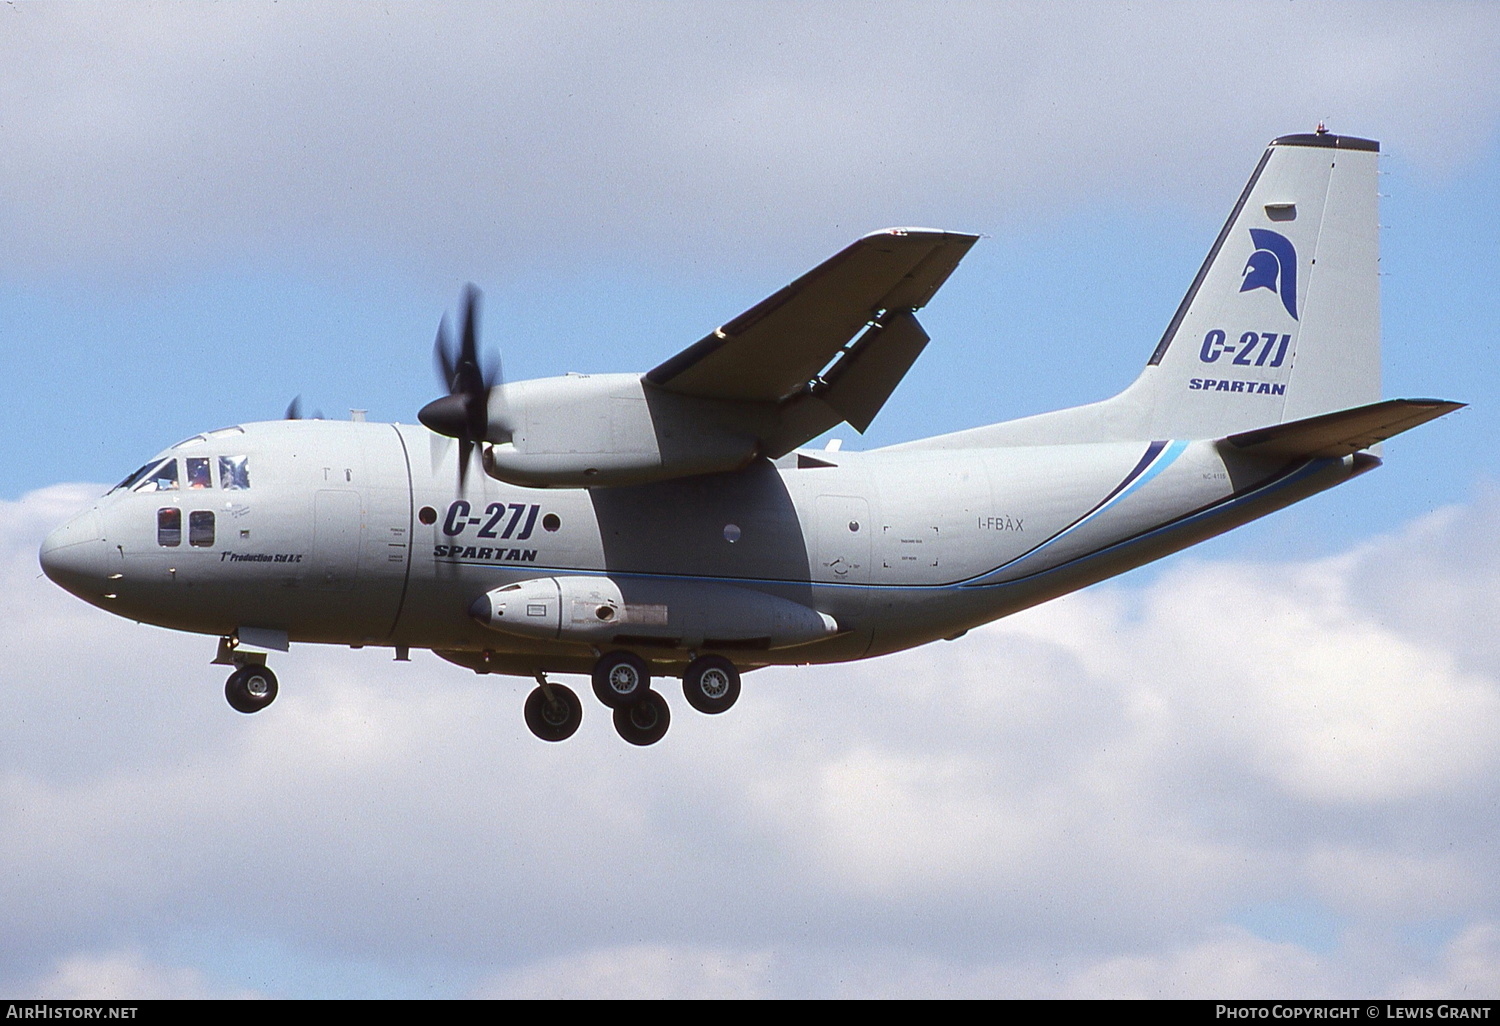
(556, 720)
(711, 684)
(646, 721)
(620, 679)
(250, 688)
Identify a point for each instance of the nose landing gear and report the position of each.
(250, 688)
(252, 685)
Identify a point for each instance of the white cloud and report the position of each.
(122, 976)
(1234, 965)
(1082, 799)
(1468, 968)
(637, 972)
(163, 136)
(1281, 668)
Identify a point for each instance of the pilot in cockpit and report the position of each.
(198, 473)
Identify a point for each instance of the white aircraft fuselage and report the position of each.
(668, 524)
(328, 541)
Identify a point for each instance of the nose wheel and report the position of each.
(250, 688)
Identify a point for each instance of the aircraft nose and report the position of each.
(74, 555)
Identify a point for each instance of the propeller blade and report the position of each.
(294, 411)
(469, 354)
(444, 357)
(464, 413)
(494, 373)
(465, 450)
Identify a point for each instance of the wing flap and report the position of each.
(860, 383)
(781, 343)
(1334, 435)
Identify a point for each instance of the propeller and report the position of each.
(464, 412)
(294, 410)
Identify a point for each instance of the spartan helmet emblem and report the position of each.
(1272, 266)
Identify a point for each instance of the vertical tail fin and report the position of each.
(1283, 320)
(1281, 323)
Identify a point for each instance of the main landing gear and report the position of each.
(250, 688)
(553, 712)
(622, 682)
(621, 679)
(711, 684)
(645, 722)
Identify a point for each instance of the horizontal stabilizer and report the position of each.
(1335, 435)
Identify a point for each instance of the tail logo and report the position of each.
(1272, 266)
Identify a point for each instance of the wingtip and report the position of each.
(920, 232)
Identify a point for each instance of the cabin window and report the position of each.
(201, 528)
(160, 478)
(234, 472)
(169, 526)
(198, 474)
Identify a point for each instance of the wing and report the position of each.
(828, 348)
(773, 350)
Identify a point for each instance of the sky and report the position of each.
(1264, 767)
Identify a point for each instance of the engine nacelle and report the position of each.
(667, 613)
(587, 430)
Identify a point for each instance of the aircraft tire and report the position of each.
(557, 720)
(711, 684)
(250, 688)
(646, 721)
(621, 679)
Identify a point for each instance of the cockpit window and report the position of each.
(198, 475)
(133, 478)
(234, 471)
(159, 477)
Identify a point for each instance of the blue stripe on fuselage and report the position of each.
(1157, 457)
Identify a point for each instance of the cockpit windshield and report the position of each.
(162, 475)
(234, 472)
(157, 476)
(133, 477)
(197, 472)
